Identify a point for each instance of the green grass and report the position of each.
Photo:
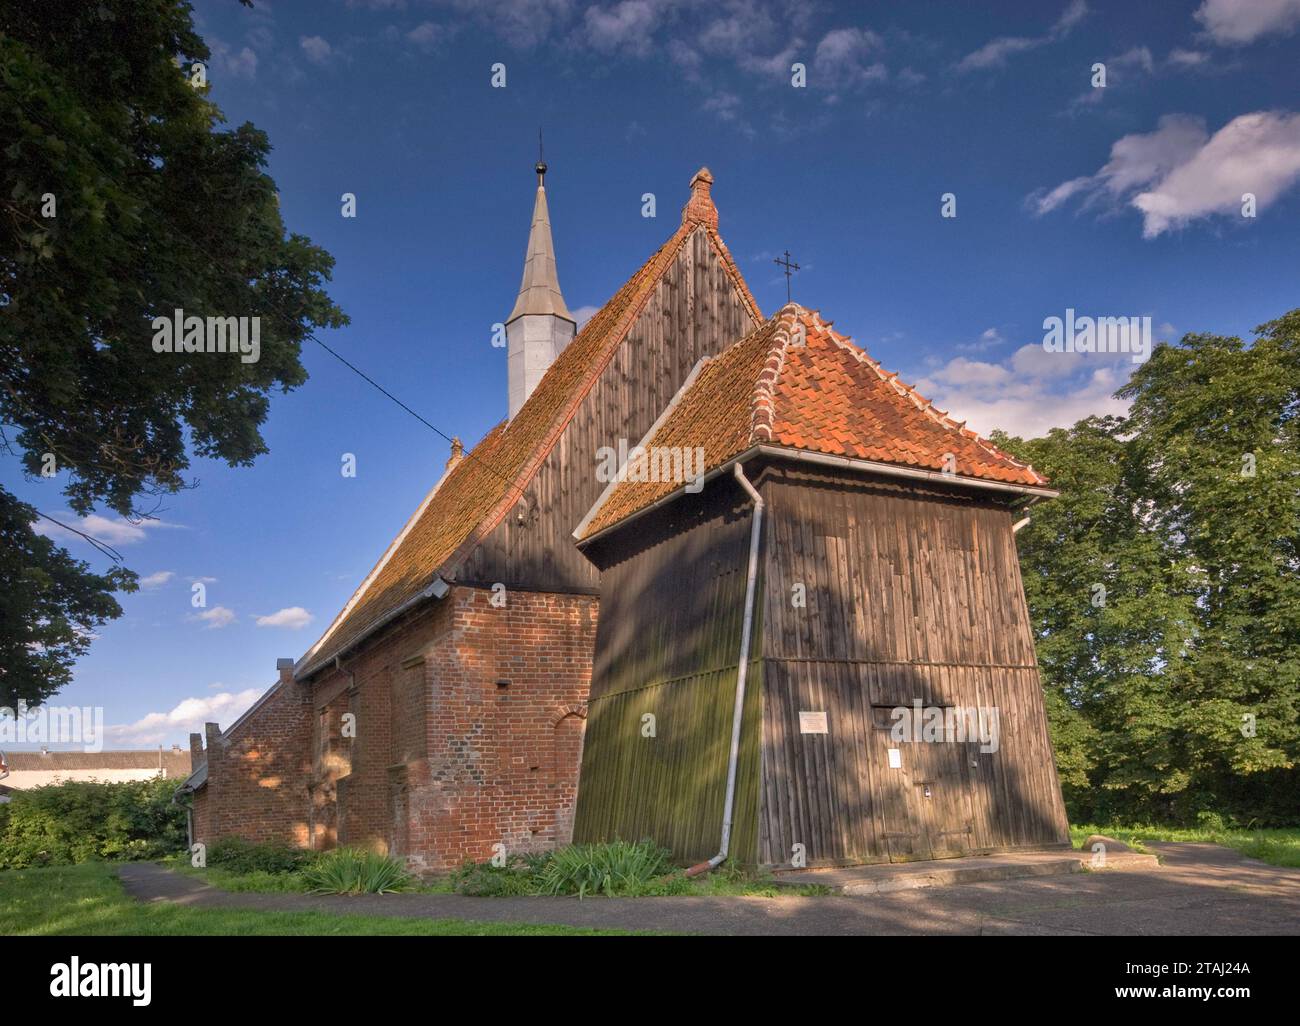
(88, 900)
(730, 881)
(1280, 847)
(257, 882)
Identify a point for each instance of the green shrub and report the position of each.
(257, 882)
(483, 880)
(1207, 819)
(617, 868)
(240, 856)
(355, 871)
(65, 824)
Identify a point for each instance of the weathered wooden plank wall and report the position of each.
(694, 312)
(911, 593)
(667, 645)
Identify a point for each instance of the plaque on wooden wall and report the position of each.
(812, 723)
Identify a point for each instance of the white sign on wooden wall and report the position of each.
(812, 723)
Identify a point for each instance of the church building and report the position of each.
(718, 632)
(817, 652)
(430, 720)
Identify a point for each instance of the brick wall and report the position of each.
(458, 728)
(507, 698)
(258, 772)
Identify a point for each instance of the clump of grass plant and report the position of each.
(355, 871)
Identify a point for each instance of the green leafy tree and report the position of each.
(50, 605)
(1216, 437)
(1164, 585)
(122, 198)
(1109, 615)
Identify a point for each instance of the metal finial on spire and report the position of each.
(541, 159)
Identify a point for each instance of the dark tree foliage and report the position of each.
(50, 605)
(123, 198)
(1178, 693)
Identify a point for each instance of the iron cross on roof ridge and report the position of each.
(790, 267)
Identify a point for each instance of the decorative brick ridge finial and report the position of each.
(699, 208)
(457, 452)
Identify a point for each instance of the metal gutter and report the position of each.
(824, 459)
(437, 589)
(890, 470)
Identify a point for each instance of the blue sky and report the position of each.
(1118, 201)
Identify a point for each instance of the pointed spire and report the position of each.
(540, 326)
(539, 292)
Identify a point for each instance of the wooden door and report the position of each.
(941, 789)
(923, 795)
(897, 767)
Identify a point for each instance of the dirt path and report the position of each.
(1200, 889)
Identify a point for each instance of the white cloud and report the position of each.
(1138, 62)
(427, 34)
(1255, 153)
(108, 530)
(1071, 16)
(157, 580)
(627, 26)
(1179, 173)
(185, 717)
(215, 618)
(1237, 22)
(777, 65)
(241, 64)
(1188, 58)
(1030, 392)
(994, 53)
(293, 617)
(317, 49)
(1138, 57)
(845, 57)
(1132, 63)
(725, 105)
(685, 57)
(583, 314)
(748, 27)
(990, 338)
(521, 23)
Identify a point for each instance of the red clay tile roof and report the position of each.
(474, 495)
(795, 383)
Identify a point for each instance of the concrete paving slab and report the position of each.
(887, 877)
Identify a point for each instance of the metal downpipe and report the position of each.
(742, 673)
